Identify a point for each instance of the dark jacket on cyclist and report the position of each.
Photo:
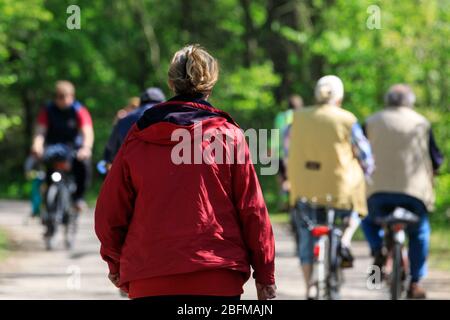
(63, 125)
(148, 99)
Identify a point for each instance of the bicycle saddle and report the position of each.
(399, 215)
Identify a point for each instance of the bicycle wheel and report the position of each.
(70, 217)
(396, 274)
(49, 219)
(333, 279)
(317, 285)
(323, 267)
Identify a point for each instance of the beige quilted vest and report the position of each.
(399, 137)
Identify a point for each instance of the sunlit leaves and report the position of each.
(7, 123)
(248, 89)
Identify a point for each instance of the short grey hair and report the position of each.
(329, 89)
(400, 95)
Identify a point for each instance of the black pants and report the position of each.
(190, 298)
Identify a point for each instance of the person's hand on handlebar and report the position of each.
(37, 150)
(84, 153)
(37, 147)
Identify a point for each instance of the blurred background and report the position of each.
(267, 49)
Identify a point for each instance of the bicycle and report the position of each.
(58, 196)
(327, 277)
(395, 263)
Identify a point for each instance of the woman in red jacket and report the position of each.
(173, 218)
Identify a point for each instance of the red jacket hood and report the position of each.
(158, 124)
(161, 132)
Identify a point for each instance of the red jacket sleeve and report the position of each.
(249, 202)
(113, 212)
(42, 118)
(84, 118)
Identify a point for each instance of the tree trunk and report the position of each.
(29, 104)
(141, 15)
(249, 35)
(278, 48)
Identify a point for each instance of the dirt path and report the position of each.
(32, 273)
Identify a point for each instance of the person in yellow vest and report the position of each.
(407, 159)
(328, 159)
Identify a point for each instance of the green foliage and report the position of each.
(440, 248)
(441, 128)
(6, 123)
(19, 19)
(442, 214)
(267, 49)
(247, 94)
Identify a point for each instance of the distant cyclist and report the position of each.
(331, 156)
(407, 158)
(148, 99)
(66, 121)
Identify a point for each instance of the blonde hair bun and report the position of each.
(193, 70)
